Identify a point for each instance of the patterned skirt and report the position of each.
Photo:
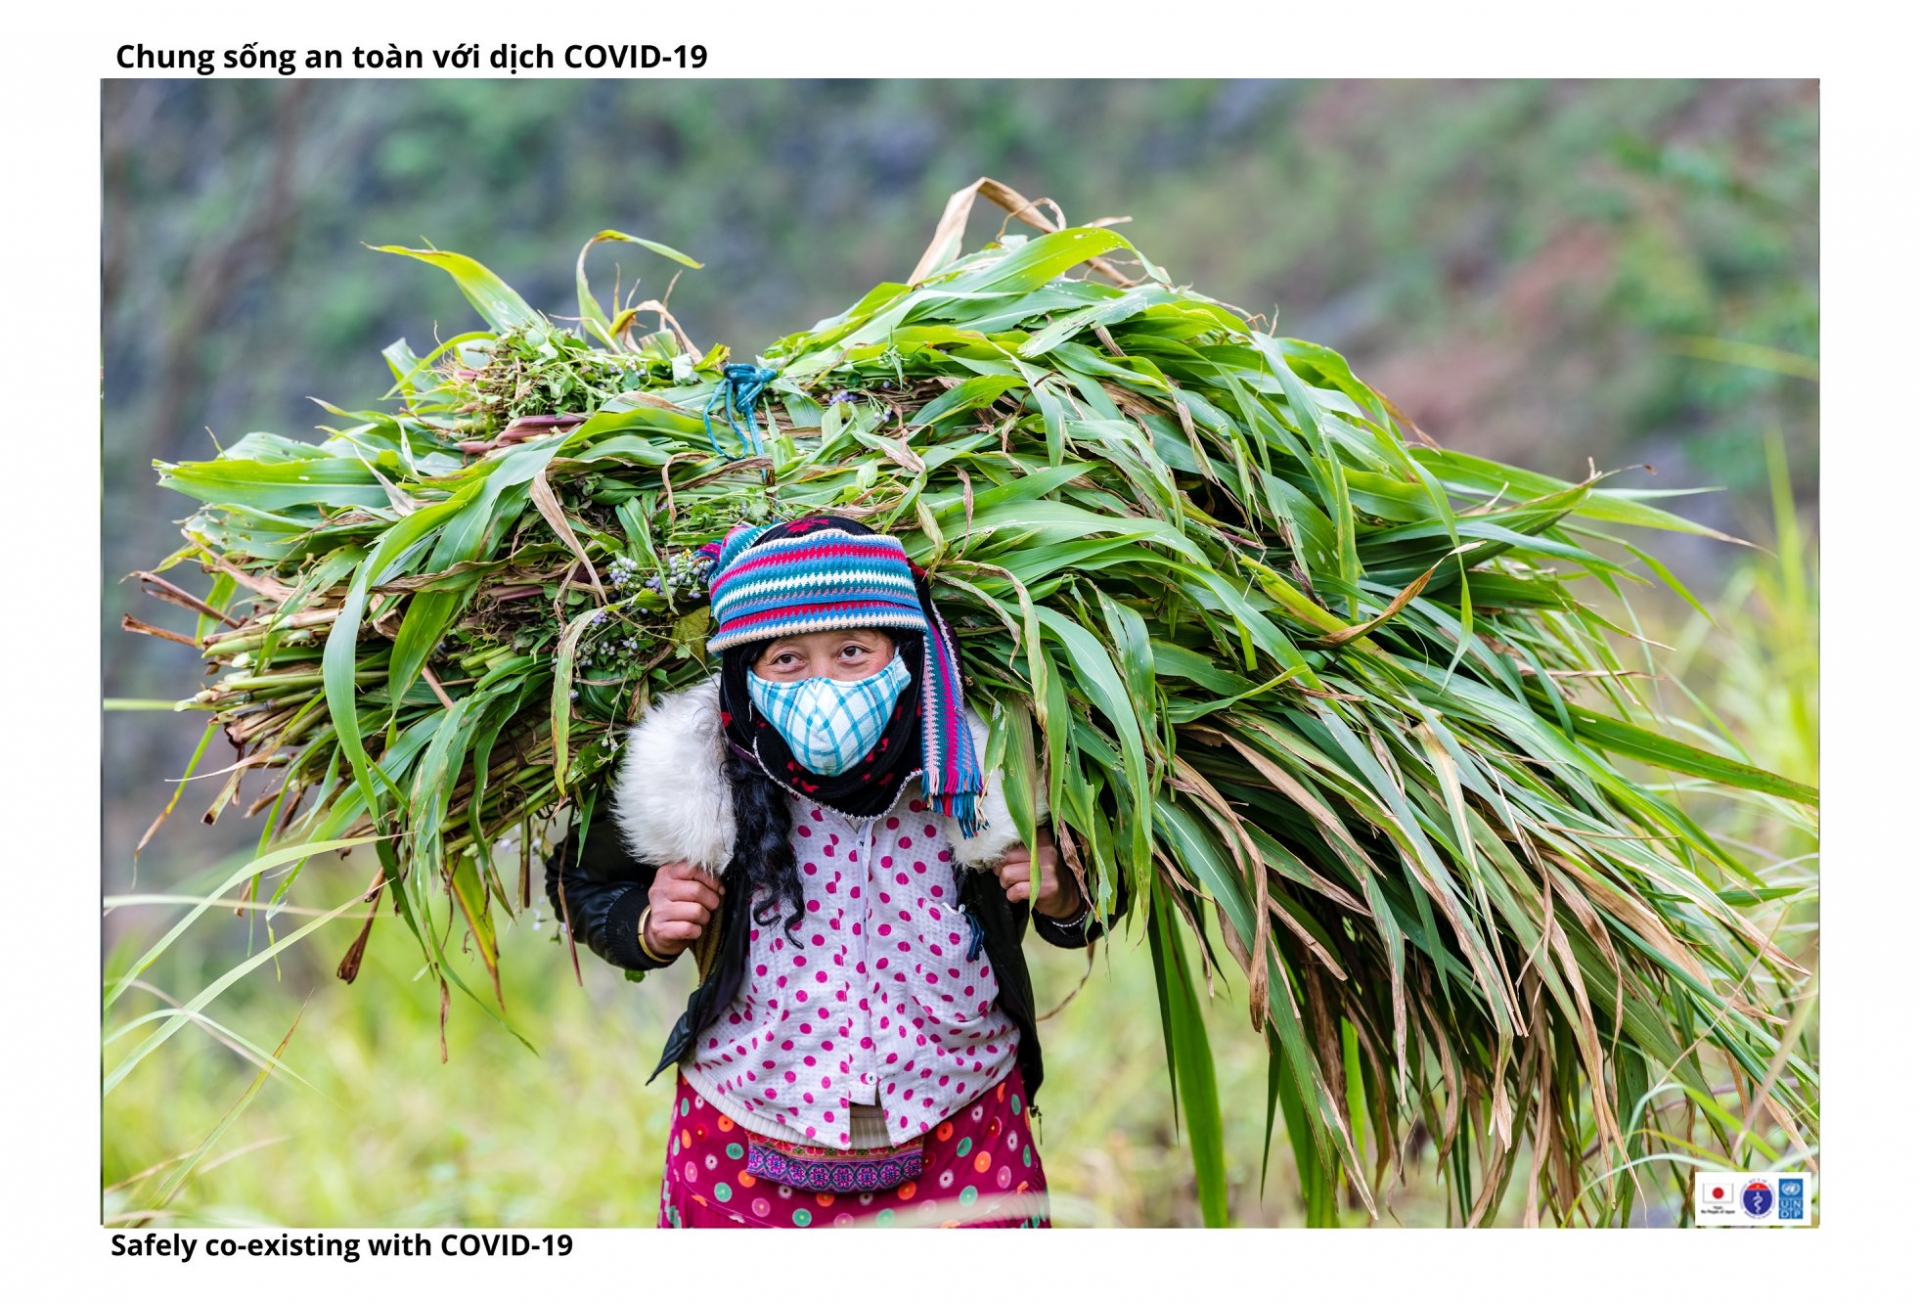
(977, 1168)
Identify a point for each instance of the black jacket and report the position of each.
(600, 893)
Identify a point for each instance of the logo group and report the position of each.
(1750, 1199)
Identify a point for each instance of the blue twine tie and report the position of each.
(735, 396)
(977, 938)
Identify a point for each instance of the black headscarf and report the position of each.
(868, 788)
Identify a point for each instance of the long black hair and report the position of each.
(762, 816)
(763, 842)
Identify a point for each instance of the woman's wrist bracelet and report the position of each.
(651, 954)
(1075, 919)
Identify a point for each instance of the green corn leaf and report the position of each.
(1645, 745)
(590, 309)
(1187, 1048)
(492, 297)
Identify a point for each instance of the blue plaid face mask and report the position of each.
(829, 724)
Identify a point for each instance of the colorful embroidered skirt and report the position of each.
(978, 1168)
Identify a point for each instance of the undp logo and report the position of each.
(1757, 1199)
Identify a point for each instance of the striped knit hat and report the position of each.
(830, 572)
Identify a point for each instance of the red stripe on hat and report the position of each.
(755, 560)
(807, 610)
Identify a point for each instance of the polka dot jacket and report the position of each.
(878, 996)
(942, 1018)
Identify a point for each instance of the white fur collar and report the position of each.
(672, 802)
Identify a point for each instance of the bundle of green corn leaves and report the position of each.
(1322, 697)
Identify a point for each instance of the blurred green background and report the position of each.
(1551, 273)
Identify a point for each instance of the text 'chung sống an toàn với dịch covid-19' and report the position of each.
(508, 57)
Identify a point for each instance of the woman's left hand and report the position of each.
(1059, 895)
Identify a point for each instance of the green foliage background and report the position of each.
(1542, 272)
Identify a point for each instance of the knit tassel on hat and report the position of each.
(952, 780)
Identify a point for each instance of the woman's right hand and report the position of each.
(682, 901)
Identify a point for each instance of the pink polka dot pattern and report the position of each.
(870, 1000)
(975, 1172)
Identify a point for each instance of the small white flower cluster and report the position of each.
(624, 574)
(606, 650)
(596, 649)
(686, 573)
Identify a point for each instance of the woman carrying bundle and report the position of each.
(861, 1043)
